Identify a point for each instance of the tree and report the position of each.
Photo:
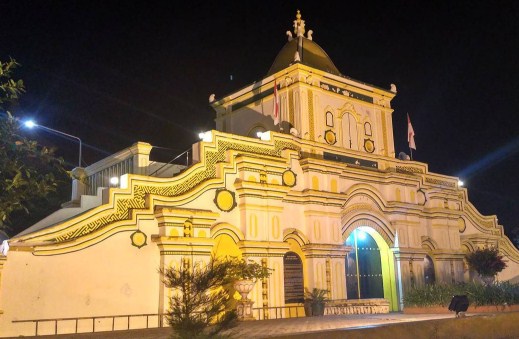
(201, 298)
(10, 90)
(487, 262)
(29, 172)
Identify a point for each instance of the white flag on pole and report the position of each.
(410, 133)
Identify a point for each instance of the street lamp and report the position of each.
(32, 124)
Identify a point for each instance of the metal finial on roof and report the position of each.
(299, 25)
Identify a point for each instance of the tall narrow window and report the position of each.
(349, 131)
(329, 119)
(367, 128)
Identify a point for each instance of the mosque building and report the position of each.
(300, 175)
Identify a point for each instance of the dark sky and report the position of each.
(115, 72)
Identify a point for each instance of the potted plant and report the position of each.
(315, 301)
(246, 273)
(487, 262)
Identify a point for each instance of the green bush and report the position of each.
(479, 295)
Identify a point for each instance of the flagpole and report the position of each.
(411, 150)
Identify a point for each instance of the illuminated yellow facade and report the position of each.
(303, 188)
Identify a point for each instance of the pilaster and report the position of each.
(325, 268)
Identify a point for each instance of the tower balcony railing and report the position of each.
(132, 160)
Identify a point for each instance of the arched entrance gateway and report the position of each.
(370, 265)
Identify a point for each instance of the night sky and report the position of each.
(113, 73)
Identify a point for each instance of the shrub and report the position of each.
(479, 295)
(200, 299)
(202, 303)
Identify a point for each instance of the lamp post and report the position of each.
(32, 124)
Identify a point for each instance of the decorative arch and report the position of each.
(365, 190)
(429, 244)
(366, 219)
(296, 235)
(225, 228)
(368, 213)
(348, 108)
(468, 246)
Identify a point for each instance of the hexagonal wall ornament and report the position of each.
(138, 239)
(289, 178)
(330, 137)
(369, 145)
(422, 197)
(461, 225)
(225, 200)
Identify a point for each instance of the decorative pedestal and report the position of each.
(244, 310)
(244, 306)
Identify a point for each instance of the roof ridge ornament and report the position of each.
(299, 25)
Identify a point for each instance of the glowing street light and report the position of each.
(114, 181)
(32, 124)
(460, 183)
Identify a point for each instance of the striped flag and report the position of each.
(275, 109)
(410, 133)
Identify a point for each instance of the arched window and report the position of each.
(367, 128)
(293, 271)
(428, 271)
(349, 131)
(329, 119)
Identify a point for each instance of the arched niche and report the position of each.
(293, 278)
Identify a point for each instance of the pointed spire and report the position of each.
(299, 25)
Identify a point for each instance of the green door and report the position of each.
(363, 267)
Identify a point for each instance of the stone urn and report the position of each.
(244, 306)
(244, 287)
